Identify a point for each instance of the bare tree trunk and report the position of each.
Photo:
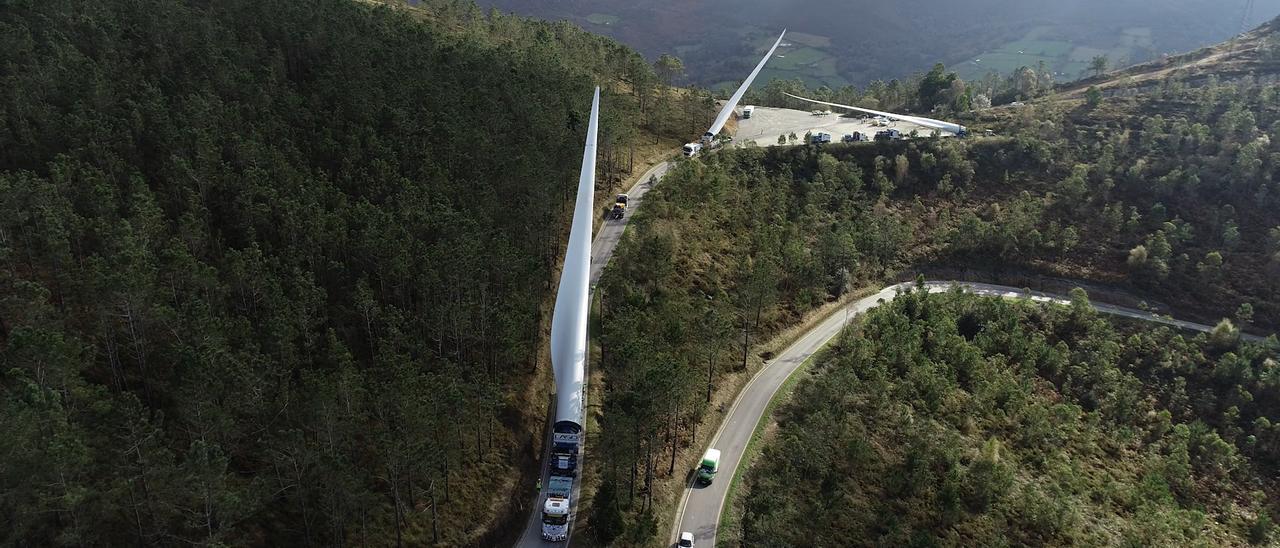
(631, 485)
(445, 473)
(674, 431)
(364, 527)
(435, 517)
(137, 516)
(139, 347)
(648, 477)
(395, 499)
(413, 498)
(711, 371)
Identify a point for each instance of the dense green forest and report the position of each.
(1169, 198)
(954, 420)
(275, 272)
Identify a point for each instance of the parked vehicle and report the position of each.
(888, 135)
(692, 149)
(747, 111)
(820, 138)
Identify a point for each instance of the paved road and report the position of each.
(602, 247)
(609, 235)
(699, 509)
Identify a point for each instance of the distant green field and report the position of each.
(1004, 63)
(822, 75)
(797, 59)
(1085, 54)
(811, 40)
(685, 50)
(1040, 48)
(603, 19)
(1067, 60)
(1136, 36)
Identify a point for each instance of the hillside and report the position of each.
(275, 273)
(952, 420)
(855, 42)
(1166, 198)
(1254, 53)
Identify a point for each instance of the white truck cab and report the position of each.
(555, 511)
(555, 518)
(692, 149)
(748, 110)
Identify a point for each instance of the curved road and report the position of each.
(699, 509)
(602, 247)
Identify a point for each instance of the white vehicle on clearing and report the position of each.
(692, 149)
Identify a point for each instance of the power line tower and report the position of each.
(1244, 21)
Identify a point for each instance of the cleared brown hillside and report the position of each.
(1245, 55)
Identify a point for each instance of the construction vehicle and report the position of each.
(709, 466)
(855, 137)
(619, 207)
(820, 138)
(888, 135)
(555, 511)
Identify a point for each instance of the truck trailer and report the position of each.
(565, 440)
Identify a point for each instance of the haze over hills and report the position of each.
(837, 42)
